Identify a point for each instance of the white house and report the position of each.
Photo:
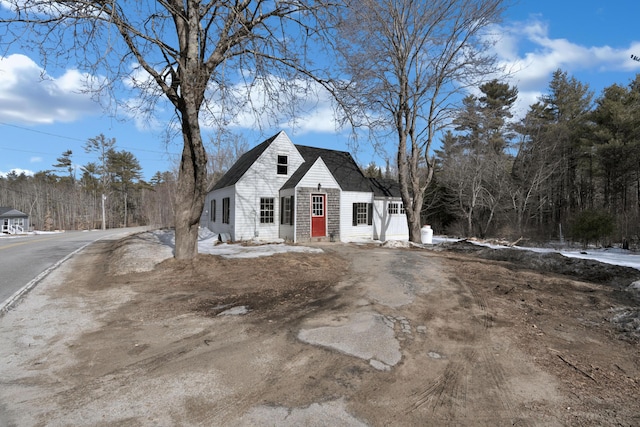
(299, 193)
(12, 221)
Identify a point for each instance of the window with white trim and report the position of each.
(212, 211)
(283, 162)
(226, 210)
(317, 205)
(286, 210)
(362, 214)
(395, 208)
(266, 210)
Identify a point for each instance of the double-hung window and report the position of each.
(283, 163)
(286, 210)
(266, 210)
(362, 214)
(225, 210)
(396, 209)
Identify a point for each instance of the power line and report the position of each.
(86, 156)
(43, 133)
(73, 139)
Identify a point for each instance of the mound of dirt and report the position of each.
(586, 270)
(138, 253)
(626, 319)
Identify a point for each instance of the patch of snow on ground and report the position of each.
(635, 288)
(226, 250)
(208, 243)
(396, 244)
(612, 256)
(30, 233)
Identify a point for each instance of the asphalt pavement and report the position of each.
(27, 259)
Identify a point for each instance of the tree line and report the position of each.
(391, 67)
(106, 193)
(394, 68)
(569, 169)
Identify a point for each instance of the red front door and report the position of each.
(318, 215)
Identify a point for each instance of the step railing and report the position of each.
(12, 229)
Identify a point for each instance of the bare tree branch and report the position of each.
(192, 51)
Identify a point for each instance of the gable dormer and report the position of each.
(276, 158)
(276, 163)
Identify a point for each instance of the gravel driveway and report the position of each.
(356, 335)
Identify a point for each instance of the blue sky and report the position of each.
(591, 40)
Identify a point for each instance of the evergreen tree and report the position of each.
(475, 159)
(101, 145)
(125, 172)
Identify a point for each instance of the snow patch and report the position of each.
(235, 311)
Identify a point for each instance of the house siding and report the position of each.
(262, 180)
(318, 174)
(218, 226)
(333, 212)
(287, 231)
(389, 226)
(303, 212)
(349, 232)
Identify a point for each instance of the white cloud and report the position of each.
(320, 120)
(17, 171)
(251, 104)
(302, 106)
(529, 56)
(35, 160)
(29, 95)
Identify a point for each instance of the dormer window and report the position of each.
(283, 162)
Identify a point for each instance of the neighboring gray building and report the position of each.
(13, 221)
(282, 190)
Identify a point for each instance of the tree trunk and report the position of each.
(125, 209)
(404, 181)
(192, 181)
(104, 221)
(415, 234)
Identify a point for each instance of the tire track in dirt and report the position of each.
(447, 392)
(486, 362)
(474, 381)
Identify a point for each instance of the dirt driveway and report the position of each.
(357, 335)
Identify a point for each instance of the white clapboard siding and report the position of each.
(318, 174)
(389, 226)
(287, 231)
(262, 180)
(217, 226)
(347, 231)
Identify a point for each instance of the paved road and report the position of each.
(23, 258)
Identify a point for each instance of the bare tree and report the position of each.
(535, 163)
(224, 149)
(190, 51)
(407, 62)
(101, 145)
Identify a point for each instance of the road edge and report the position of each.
(10, 302)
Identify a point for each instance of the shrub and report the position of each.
(591, 226)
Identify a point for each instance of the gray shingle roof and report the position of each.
(11, 213)
(385, 187)
(340, 163)
(242, 165)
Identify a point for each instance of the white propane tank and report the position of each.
(426, 235)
